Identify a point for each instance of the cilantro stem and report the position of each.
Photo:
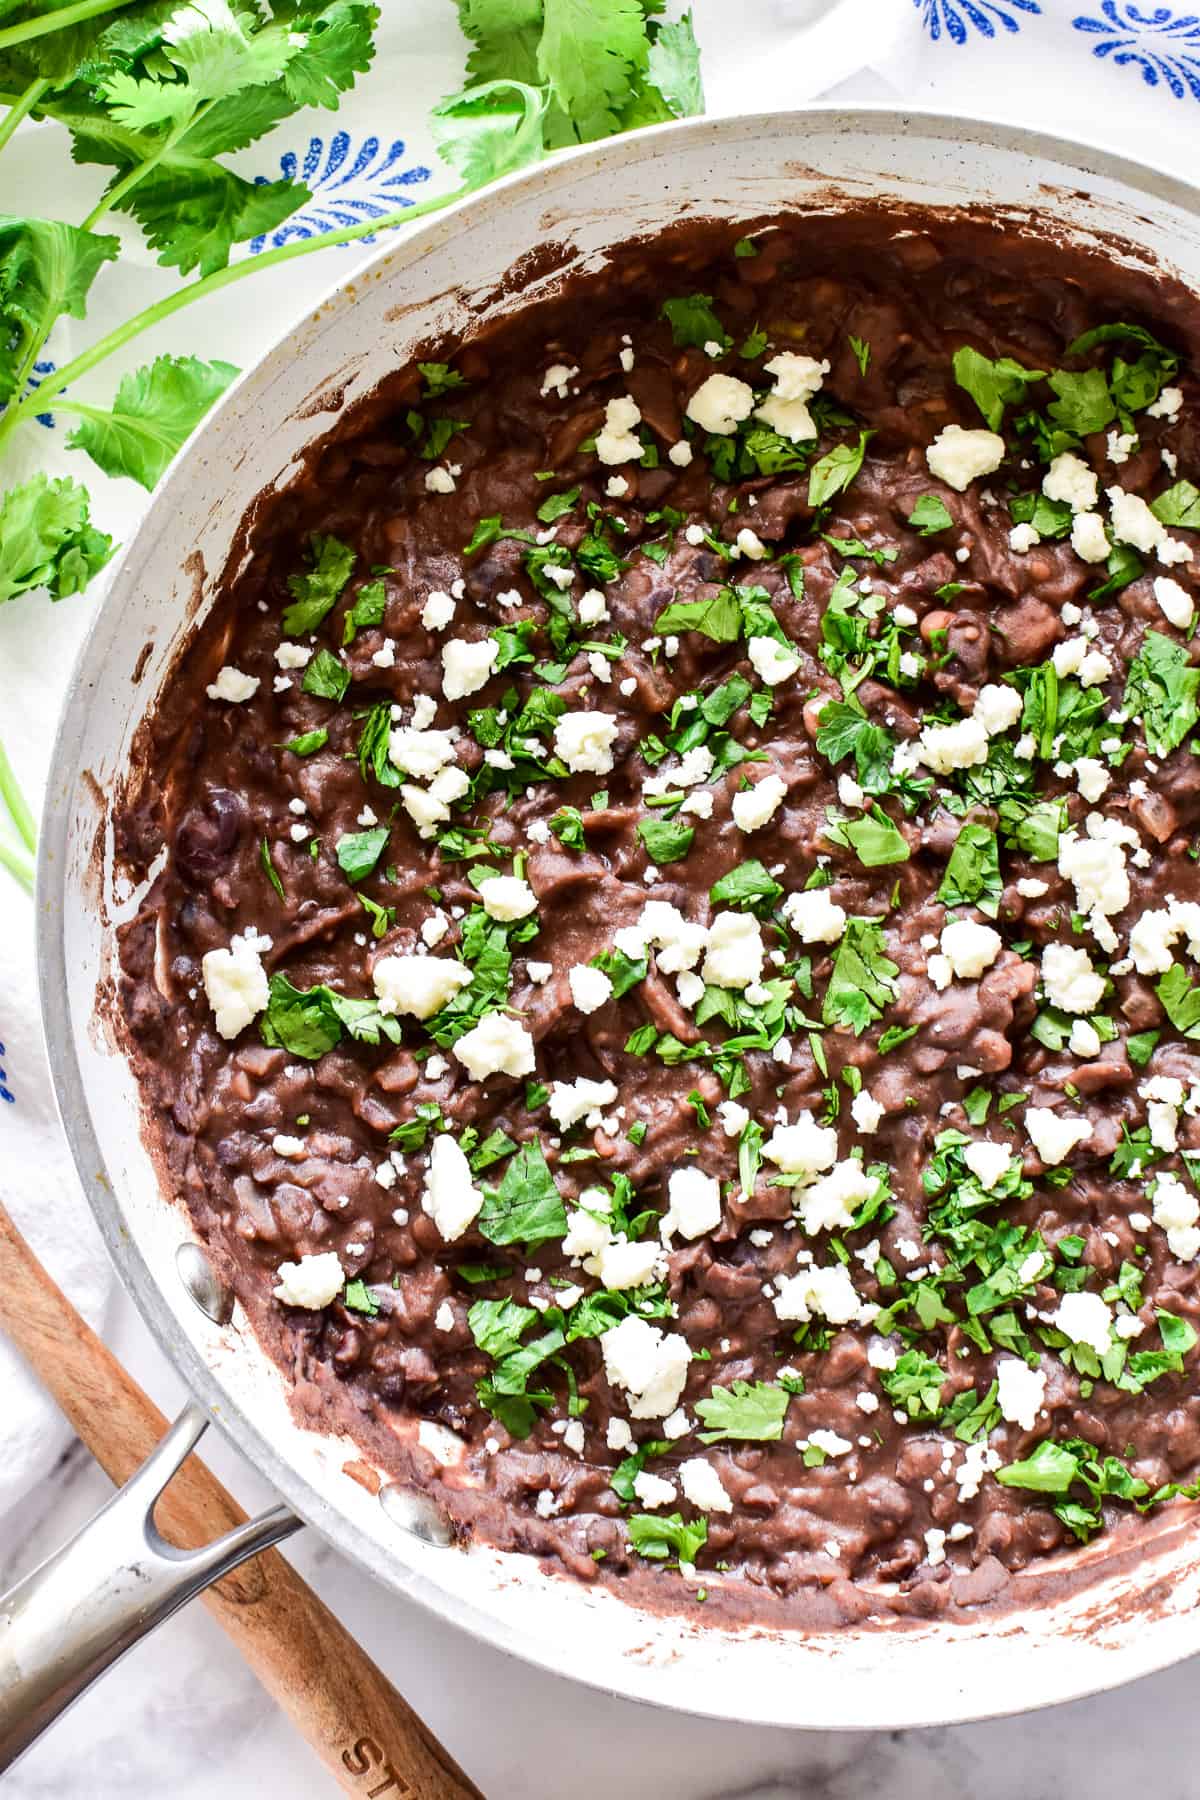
(21, 108)
(198, 290)
(14, 799)
(17, 863)
(138, 173)
(45, 23)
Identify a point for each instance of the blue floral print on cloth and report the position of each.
(956, 19)
(1159, 41)
(349, 185)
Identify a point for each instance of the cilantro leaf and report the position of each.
(370, 604)
(665, 840)
(46, 270)
(844, 729)
(1181, 1001)
(359, 851)
(836, 470)
(1084, 402)
(155, 410)
(1179, 505)
(719, 618)
(930, 514)
(750, 884)
(587, 54)
(315, 593)
(972, 875)
(673, 65)
(1050, 1470)
(693, 321)
(992, 385)
(915, 1384)
(660, 1535)
(307, 742)
(863, 979)
(489, 130)
(47, 539)
(527, 1207)
(874, 838)
(306, 1022)
(751, 1411)
(326, 676)
(1161, 690)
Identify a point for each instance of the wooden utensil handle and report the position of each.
(364, 1732)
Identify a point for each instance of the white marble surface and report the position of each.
(182, 1716)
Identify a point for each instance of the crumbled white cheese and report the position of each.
(814, 917)
(693, 1204)
(590, 988)
(1089, 540)
(571, 1101)
(1176, 1209)
(507, 897)
(756, 806)
(437, 611)
(1167, 405)
(822, 1293)
(997, 708)
(418, 985)
(556, 379)
(498, 1045)
(440, 481)
(735, 953)
(1021, 1391)
(866, 1111)
(618, 441)
(1069, 979)
(703, 1486)
(829, 1204)
(1133, 522)
(1085, 1319)
(232, 685)
(962, 745)
(313, 1282)
(292, 656)
(803, 1148)
(1175, 602)
(466, 666)
(1054, 1135)
(797, 379)
(988, 1162)
(1069, 478)
(772, 661)
(584, 741)
(449, 1196)
(650, 1364)
(653, 1490)
(958, 457)
(720, 404)
(235, 982)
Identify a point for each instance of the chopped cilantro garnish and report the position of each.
(750, 1411)
(315, 593)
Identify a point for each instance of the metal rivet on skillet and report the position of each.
(416, 1513)
(209, 1292)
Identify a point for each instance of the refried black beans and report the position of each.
(672, 988)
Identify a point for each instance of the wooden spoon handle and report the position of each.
(364, 1732)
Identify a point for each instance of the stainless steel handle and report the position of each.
(116, 1580)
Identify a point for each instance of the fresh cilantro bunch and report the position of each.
(160, 95)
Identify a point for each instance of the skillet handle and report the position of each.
(111, 1585)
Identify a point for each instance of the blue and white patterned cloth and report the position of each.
(1126, 75)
